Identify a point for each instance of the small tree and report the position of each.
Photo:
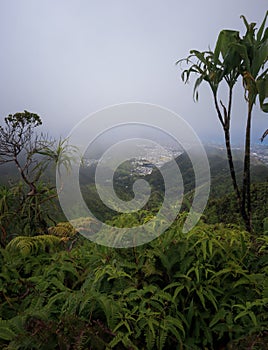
(234, 57)
(32, 153)
(20, 144)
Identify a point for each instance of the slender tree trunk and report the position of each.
(246, 196)
(233, 177)
(231, 165)
(225, 121)
(226, 127)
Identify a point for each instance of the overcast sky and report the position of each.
(65, 59)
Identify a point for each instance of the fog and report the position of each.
(66, 59)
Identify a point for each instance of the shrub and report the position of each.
(201, 290)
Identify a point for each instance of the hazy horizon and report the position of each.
(65, 60)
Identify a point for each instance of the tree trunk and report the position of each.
(233, 175)
(246, 196)
(231, 164)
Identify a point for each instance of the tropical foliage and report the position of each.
(26, 205)
(199, 291)
(235, 57)
(204, 290)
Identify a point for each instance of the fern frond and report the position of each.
(31, 245)
(6, 332)
(63, 229)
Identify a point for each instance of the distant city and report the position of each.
(258, 151)
(152, 156)
(143, 165)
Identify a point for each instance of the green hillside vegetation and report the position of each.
(203, 290)
(222, 205)
(220, 191)
(206, 289)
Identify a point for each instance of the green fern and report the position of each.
(6, 332)
(33, 245)
(63, 229)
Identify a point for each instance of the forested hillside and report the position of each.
(201, 290)
(200, 286)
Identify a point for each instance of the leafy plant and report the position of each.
(234, 57)
(196, 291)
(30, 200)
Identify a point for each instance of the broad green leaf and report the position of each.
(241, 49)
(209, 295)
(261, 29)
(220, 315)
(224, 41)
(201, 297)
(253, 318)
(190, 313)
(259, 59)
(204, 249)
(262, 87)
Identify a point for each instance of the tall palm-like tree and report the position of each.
(254, 53)
(234, 57)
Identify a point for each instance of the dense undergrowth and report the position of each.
(207, 289)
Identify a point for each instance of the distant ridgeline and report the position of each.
(221, 199)
(221, 206)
